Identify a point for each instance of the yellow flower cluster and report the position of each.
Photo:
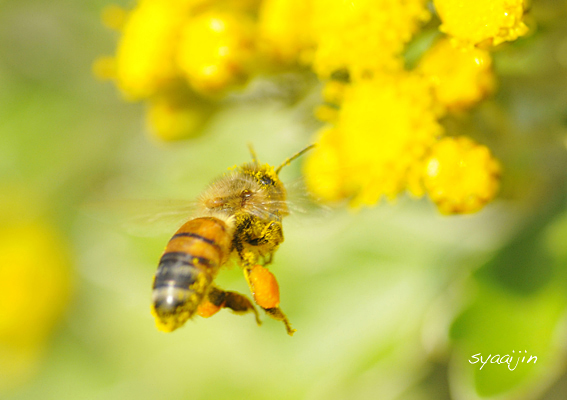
(383, 133)
(35, 283)
(198, 50)
(384, 128)
(179, 55)
(382, 119)
(364, 37)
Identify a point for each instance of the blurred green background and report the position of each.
(389, 303)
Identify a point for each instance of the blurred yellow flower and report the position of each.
(460, 76)
(476, 21)
(104, 68)
(35, 286)
(114, 16)
(173, 117)
(285, 30)
(145, 54)
(168, 46)
(333, 92)
(460, 175)
(326, 113)
(236, 5)
(216, 51)
(363, 36)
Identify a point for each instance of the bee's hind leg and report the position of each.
(266, 292)
(217, 299)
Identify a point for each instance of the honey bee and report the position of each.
(240, 217)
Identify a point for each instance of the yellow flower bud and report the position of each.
(285, 29)
(460, 175)
(114, 16)
(145, 54)
(216, 51)
(460, 76)
(171, 118)
(333, 92)
(104, 68)
(479, 20)
(326, 113)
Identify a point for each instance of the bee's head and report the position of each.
(266, 175)
(267, 190)
(263, 175)
(253, 187)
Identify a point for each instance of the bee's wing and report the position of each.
(265, 210)
(299, 202)
(142, 217)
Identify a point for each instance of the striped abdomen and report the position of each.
(186, 270)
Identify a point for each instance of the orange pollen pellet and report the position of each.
(264, 287)
(207, 309)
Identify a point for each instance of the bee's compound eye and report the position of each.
(266, 180)
(246, 193)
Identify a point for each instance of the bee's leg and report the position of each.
(272, 234)
(240, 304)
(266, 292)
(217, 299)
(271, 237)
(268, 258)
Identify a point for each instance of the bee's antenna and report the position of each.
(252, 153)
(289, 160)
